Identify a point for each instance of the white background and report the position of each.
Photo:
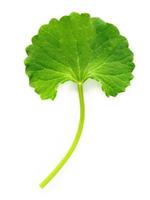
(112, 160)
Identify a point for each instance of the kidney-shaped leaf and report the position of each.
(75, 48)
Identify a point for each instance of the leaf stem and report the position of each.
(75, 141)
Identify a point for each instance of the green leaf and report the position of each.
(75, 48)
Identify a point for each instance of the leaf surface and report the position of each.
(76, 48)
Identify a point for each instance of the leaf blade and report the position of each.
(76, 48)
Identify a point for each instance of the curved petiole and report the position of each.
(75, 141)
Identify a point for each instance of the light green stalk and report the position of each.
(75, 141)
